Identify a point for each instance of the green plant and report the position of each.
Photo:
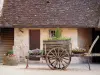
(61, 38)
(78, 50)
(10, 52)
(58, 35)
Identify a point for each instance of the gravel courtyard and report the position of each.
(38, 68)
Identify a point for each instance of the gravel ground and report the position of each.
(38, 68)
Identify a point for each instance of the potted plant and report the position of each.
(78, 50)
(10, 58)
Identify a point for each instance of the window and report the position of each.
(51, 33)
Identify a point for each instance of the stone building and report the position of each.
(26, 23)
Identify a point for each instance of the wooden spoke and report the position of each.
(51, 57)
(62, 64)
(65, 54)
(65, 58)
(65, 62)
(59, 65)
(58, 58)
(61, 53)
(52, 53)
(55, 52)
(55, 66)
(53, 62)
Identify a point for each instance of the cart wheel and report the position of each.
(58, 58)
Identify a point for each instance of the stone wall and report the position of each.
(21, 39)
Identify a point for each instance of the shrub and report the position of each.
(58, 33)
(10, 52)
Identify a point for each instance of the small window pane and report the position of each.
(52, 33)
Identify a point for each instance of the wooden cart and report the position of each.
(59, 57)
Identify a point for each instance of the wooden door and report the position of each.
(34, 42)
(34, 39)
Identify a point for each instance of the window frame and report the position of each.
(51, 35)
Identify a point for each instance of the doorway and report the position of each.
(96, 49)
(34, 39)
(34, 42)
(6, 41)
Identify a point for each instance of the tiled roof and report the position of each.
(51, 13)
